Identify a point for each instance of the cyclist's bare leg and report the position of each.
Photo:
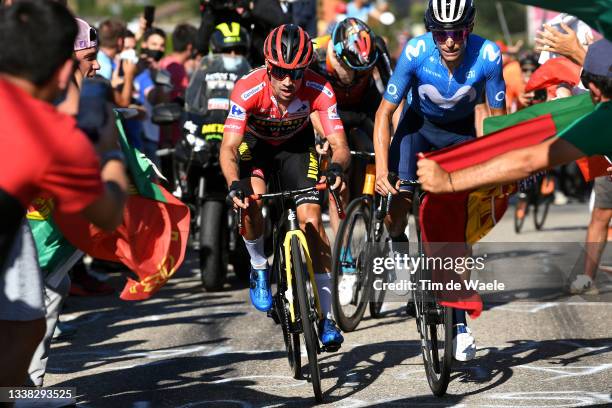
(254, 227)
(309, 216)
(397, 219)
(597, 236)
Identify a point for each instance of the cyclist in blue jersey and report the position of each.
(445, 74)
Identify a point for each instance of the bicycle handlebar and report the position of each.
(284, 195)
(363, 154)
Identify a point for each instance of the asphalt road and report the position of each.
(189, 348)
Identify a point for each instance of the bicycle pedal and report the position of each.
(273, 315)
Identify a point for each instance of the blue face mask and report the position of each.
(231, 63)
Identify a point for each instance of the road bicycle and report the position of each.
(434, 322)
(539, 195)
(354, 248)
(295, 304)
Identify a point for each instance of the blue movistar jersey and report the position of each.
(443, 97)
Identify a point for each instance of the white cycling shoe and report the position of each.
(464, 344)
(346, 288)
(583, 284)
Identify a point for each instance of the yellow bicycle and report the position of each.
(294, 276)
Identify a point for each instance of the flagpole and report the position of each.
(503, 22)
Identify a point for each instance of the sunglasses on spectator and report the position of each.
(458, 36)
(528, 70)
(281, 73)
(93, 35)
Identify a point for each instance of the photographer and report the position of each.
(43, 153)
(258, 16)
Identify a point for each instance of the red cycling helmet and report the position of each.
(288, 46)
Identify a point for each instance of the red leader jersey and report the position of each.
(43, 152)
(254, 110)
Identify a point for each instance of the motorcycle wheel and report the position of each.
(213, 267)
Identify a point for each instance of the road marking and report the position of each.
(222, 403)
(583, 398)
(296, 383)
(571, 371)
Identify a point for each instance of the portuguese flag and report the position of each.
(151, 241)
(466, 217)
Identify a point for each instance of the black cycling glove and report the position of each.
(235, 190)
(333, 171)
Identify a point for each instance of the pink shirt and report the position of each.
(180, 80)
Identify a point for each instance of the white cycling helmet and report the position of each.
(449, 14)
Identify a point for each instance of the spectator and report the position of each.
(529, 63)
(305, 15)
(364, 9)
(111, 42)
(183, 41)
(42, 152)
(129, 41)
(56, 285)
(512, 77)
(148, 93)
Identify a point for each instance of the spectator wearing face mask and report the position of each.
(147, 93)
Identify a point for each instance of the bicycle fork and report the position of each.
(295, 231)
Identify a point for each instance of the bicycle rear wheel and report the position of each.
(308, 315)
(540, 212)
(349, 271)
(292, 345)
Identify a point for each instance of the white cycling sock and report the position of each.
(324, 282)
(255, 249)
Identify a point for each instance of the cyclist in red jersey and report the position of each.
(267, 131)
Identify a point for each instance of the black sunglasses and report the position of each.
(281, 73)
(93, 35)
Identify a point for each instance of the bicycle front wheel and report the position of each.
(351, 294)
(308, 315)
(435, 326)
(520, 213)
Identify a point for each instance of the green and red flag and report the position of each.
(152, 239)
(466, 217)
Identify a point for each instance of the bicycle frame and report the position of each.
(295, 231)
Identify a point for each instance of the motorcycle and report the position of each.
(201, 184)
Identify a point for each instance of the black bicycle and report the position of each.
(539, 195)
(434, 322)
(355, 246)
(293, 273)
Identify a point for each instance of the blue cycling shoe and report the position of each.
(260, 291)
(330, 335)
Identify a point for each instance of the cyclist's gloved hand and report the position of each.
(386, 183)
(334, 175)
(236, 195)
